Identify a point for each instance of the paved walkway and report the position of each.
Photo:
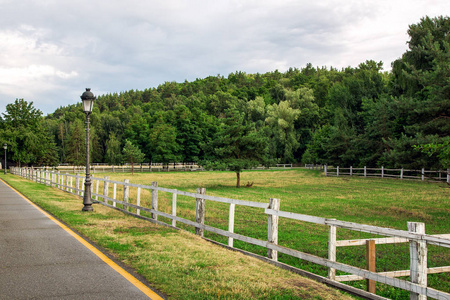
(39, 259)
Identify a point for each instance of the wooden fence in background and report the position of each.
(125, 168)
(415, 235)
(144, 167)
(439, 175)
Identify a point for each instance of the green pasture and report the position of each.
(177, 263)
(381, 202)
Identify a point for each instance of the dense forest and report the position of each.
(361, 116)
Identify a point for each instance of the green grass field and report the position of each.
(177, 263)
(381, 202)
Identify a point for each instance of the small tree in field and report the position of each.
(238, 146)
(132, 154)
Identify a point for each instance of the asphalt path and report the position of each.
(40, 258)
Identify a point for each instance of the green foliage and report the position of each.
(238, 146)
(440, 150)
(76, 144)
(163, 142)
(284, 138)
(132, 154)
(113, 154)
(28, 139)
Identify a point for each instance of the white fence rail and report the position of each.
(439, 175)
(415, 235)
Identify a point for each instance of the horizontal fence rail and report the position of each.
(415, 235)
(422, 174)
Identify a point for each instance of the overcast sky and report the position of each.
(51, 50)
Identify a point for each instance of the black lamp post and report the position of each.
(88, 102)
(5, 146)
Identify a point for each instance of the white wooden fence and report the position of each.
(415, 235)
(440, 175)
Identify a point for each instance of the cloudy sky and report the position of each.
(51, 50)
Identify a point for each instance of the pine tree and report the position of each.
(238, 146)
(132, 154)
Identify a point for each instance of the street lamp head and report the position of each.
(5, 146)
(88, 100)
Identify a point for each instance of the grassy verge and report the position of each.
(177, 263)
(380, 202)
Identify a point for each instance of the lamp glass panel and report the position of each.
(87, 105)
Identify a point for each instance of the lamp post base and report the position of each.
(87, 202)
(88, 208)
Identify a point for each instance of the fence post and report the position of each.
(332, 249)
(174, 209)
(337, 171)
(401, 173)
(231, 223)
(155, 200)
(138, 200)
(371, 264)
(365, 171)
(96, 189)
(83, 190)
(105, 189)
(325, 169)
(272, 232)
(114, 194)
(126, 193)
(423, 174)
(382, 172)
(418, 259)
(200, 211)
(351, 170)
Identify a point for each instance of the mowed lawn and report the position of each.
(374, 201)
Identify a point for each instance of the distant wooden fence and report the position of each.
(144, 167)
(126, 168)
(415, 235)
(440, 175)
(314, 166)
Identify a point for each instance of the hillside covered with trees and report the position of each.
(354, 116)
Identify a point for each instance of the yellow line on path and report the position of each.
(142, 287)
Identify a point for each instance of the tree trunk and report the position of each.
(238, 179)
